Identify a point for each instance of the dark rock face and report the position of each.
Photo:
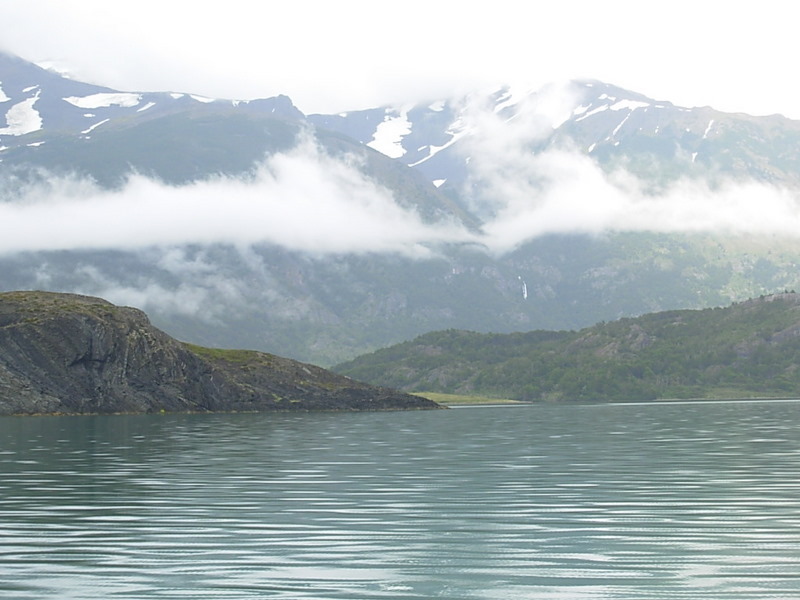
(64, 353)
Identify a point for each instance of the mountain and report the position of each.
(72, 128)
(62, 353)
(40, 101)
(69, 126)
(749, 349)
(653, 139)
(406, 219)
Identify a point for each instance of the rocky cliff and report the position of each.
(71, 354)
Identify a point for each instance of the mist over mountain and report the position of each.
(589, 156)
(617, 127)
(249, 224)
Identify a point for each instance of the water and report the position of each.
(643, 501)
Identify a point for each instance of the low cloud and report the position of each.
(302, 200)
(523, 191)
(306, 201)
(172, 282)
(499, 147)
(567, 192)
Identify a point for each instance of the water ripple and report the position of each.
(547, 502)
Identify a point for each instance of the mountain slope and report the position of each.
(61, 353)
(750, 349)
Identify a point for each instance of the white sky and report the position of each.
(333, 56)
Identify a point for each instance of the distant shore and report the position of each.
(462, 400)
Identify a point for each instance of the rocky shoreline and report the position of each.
(72, 354)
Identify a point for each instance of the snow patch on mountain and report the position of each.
(105, 99)
(629, 105)
(597, 110)
(579, 110)
(3, 97)
(457, 130)
(509, 98)
(618, 127)
(23, 118)
(434, 150)
(85, 131)
(388, 136)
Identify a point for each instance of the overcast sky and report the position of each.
(333, 56)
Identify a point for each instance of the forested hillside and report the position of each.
(749, 349)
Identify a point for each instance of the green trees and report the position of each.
(748, 349)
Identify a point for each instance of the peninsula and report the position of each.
(73, 354)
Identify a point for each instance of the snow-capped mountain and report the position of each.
(653, 139)
(37, 103)
(74, 128)
(69, 127)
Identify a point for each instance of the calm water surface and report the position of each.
(650, 502)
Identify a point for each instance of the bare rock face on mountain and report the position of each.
(71, 354)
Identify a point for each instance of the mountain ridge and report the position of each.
(72, 107)
(614, 125)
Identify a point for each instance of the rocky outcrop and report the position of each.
(71, 354)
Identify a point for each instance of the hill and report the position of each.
(70, 354)
(749, 349)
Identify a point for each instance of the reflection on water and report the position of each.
(643, 501)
